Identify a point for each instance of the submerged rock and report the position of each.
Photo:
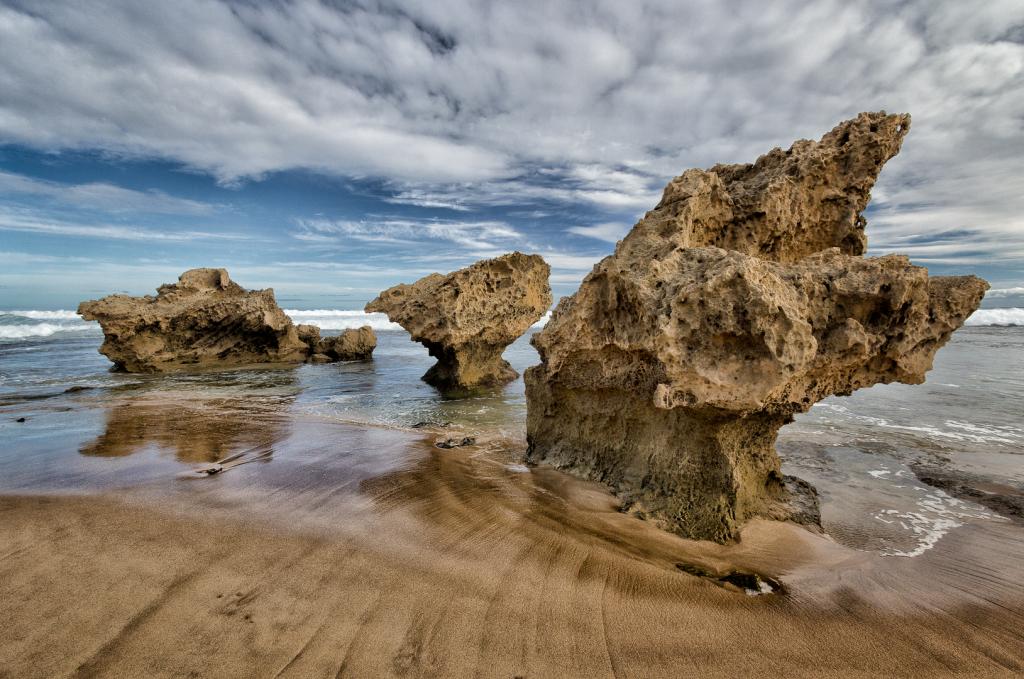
(736, 303)
(203, 320)
(468, 317)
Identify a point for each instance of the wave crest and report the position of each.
(341, 319)
(1005, 317)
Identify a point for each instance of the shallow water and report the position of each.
(89, 428)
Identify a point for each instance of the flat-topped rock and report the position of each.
(467, 318)
(203, 320)
(738, 302)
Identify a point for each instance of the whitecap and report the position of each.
(29, 330)
(1006, 317)
(341, 319)
(58, 314)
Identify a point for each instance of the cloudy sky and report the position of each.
(329, 149)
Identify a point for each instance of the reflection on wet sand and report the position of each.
(201, 421)
(204, 432)
(365, 552)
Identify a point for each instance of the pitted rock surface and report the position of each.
(738, 302)
(353, 344)
(467, 318)
(204, 320)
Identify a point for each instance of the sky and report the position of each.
(332, 149)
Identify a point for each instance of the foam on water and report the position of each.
(341, 319)
(935, 514)
(27, 331)
(33, 324)
(961, 431)
(1008, 316)
(59, 314)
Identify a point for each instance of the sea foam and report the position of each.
(341, 319)
(1007, 316)
(59, 314)
(29, 330)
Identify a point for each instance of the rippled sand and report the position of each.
(329, 550)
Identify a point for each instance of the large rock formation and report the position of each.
(203, 320)
(468, 317)
(738, 301)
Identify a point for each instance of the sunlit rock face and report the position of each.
(204, 320)
(739, 301)
(353, 344)
(467, 318)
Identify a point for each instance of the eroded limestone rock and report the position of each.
(738, 302)
(203, 320)
(353, 344)
(468, 317)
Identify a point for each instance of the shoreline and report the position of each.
(415, 561)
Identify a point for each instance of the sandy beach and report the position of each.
(363, 552)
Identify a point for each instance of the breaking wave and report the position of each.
(1008, 316)
(15, 325)
(58, 315)
(341, 319)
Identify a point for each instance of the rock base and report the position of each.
(700, 475)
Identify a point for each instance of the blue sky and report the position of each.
(330, 149)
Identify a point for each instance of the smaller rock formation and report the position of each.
(468, 317)
(354, 344)
(203, 320)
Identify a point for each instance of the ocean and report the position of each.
(897, 467)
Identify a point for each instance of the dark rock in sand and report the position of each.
(740, 300)
(456, 443)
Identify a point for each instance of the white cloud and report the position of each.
(476, 236)
(611, 189)
(103, 196)
(467, 103)
(611, 232)
(30, 221)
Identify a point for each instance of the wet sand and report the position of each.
(362, 552)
